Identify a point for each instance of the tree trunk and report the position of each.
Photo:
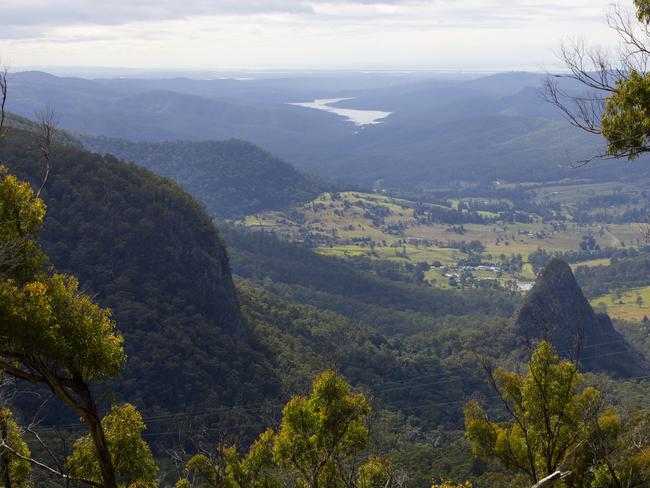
(99, 438)
(84, 405)
(103, 454)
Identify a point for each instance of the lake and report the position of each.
(357, 117)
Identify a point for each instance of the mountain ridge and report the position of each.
(233, 178)
(446, 119)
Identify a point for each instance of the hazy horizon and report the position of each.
(91, 72)
(476, 36)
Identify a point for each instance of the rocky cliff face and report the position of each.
(556, 310)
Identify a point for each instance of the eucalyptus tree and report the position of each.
(551, 418)
(320, 443)
(50, 332)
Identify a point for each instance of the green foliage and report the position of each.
(52, 334)
(44, 313)
(320, 433)
(622, 450)
(643, 10)
(450, 484)
(12, 468)
(626, 119)
(59, 325)
(21, 217)
(375, 473)
(318, 444)
(204, 473)
(549, 416)
(132, 459)
(257, 469)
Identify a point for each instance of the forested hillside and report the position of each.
(147, 250)
(150, 252)
(232, 178)
(366, 257)
(397, 306)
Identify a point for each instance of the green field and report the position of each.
(592, 262)
(625, 306)
(572, 193)
(377, 226)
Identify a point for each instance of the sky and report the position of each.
(297, 34)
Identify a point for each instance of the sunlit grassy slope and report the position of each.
(626, 305)
(378, 226)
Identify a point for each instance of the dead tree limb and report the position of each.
(46, 134)
(3, 97)
(47, 468)
(562, 472)
(593, 75)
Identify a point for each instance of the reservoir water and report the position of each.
(358, 117)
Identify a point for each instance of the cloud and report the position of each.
(48, 13)
(291, 32)
(111, 12)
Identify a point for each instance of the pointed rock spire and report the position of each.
(557, 310)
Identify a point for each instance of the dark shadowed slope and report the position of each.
(556, 310)
(233, 178)
(151, 253)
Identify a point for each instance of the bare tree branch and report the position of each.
(3, 97)
(600, 74)
(47, 468)
(47, 134)
(31, 430)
